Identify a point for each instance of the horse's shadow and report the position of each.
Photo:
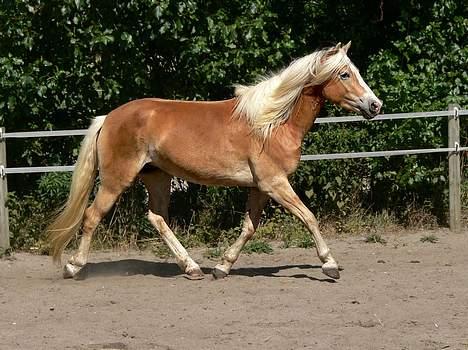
(132, 267)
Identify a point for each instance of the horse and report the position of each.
(252, 140)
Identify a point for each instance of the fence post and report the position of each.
(454, 169)
(4, 230)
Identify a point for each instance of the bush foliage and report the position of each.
(63, 62)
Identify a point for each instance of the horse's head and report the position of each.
(347, 89)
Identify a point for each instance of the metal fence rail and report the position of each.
(327, 120)
(453, 149)
(46, 133)
(39, 169)
(391, 116)
(306, 157)
(375, 154)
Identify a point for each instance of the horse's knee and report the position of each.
(155, 219)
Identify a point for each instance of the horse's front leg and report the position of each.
(255, 205)
(281, 191)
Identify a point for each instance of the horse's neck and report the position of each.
(284, 146)
(304, 114)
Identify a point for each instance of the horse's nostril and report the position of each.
(374, 107)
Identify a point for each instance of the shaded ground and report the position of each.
(402, 295)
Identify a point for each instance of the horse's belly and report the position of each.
(239, 178)
(210, 174)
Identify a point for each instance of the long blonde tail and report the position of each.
(68, 221)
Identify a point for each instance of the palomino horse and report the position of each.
(253, 140)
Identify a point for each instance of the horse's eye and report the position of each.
(344, 76)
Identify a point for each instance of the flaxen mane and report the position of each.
(268, 104)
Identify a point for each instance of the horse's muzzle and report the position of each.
(369, 107)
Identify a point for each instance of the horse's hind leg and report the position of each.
(116, 176)
(158, 184)
(103, 202)
(255, 205)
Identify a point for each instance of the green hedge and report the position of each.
(63, 62)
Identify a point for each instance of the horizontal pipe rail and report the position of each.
(50, 133)
(390, 116)
(39, 169)
(306, 157)
(379, 153)
(327, 120)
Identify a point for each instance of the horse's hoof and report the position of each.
(218, 273)
(194, 278)
(331, 270)
(195, 274)
(69, 270)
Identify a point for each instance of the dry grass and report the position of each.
(421, 218)
(429, 239)
(127, 228)
(360, 222)
(375, 238)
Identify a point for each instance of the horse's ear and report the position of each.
(333, 50)
(346, 47)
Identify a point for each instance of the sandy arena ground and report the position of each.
(402, 295)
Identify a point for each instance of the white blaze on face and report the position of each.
(368, 93)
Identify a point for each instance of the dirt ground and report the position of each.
(403, 295)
